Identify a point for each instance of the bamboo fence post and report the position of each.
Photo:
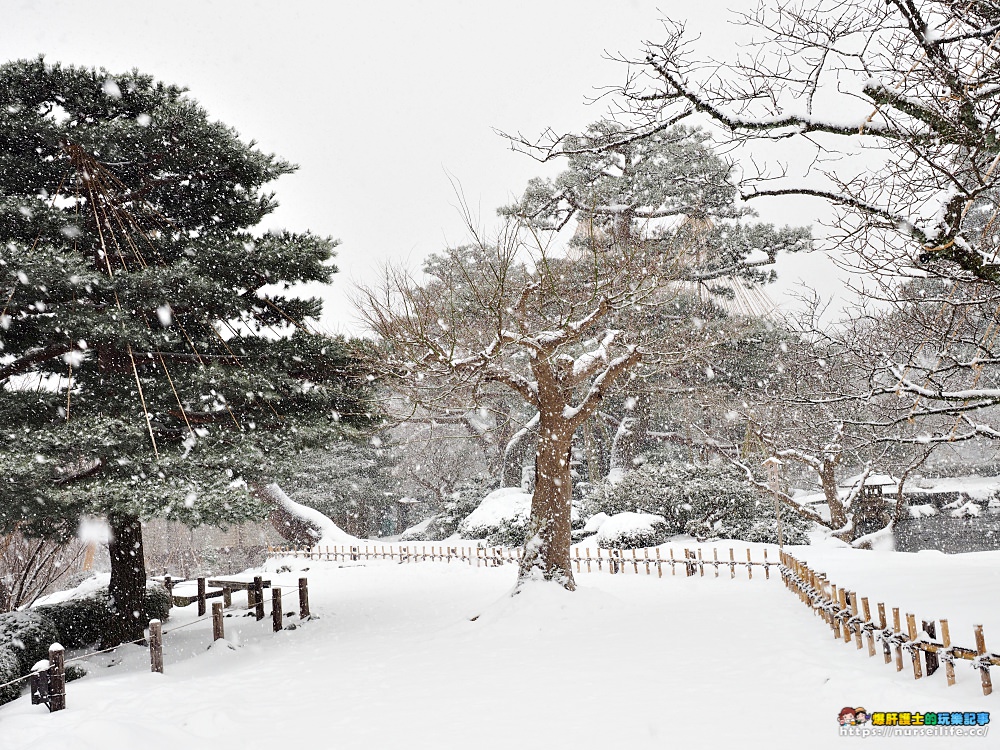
(883, 624)
(201, 597)
(57, 677)
(258, 597)
(732, 564)
(218, 629)
(984, 670)
(931, 661)
(847, 624)
(576, 555)
(911, 629)
(688, 567)
(635, 563)
(767, 567)
(645, 556)
(896, 631)
(949, 664)
(868, 621)
(835, 600)
(715, 560)
(854, 615)
(155, 646)
(749, 565)
(659, 564)
(600, 564)
(328, 553)
(673, 570)
(588, 558)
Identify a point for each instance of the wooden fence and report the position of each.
(48, 681)
(615, 561)
(850, 618)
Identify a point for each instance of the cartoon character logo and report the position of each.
(846, 716)
(861, 716)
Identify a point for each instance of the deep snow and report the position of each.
(395, 660)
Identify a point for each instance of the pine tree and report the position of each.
(151, 359)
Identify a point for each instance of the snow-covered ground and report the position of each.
(628, 661)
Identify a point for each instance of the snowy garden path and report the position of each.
(395, 661)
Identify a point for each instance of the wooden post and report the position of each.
(949, 666)
(847, 625)
(304, 599)
(701, 564)
(169, 584)
(155, 646)
(984, 670)
(896, 631)
(930, 659)
(688, 565)
(57, 677)
(659, 564)
(258, 587)
(201, 597)
(218, 629)
(276, 610)
(911, 628)
(588, 558)
(749, 565)
(250, 598)
(882, 626)
(767, 568)
(836, 615)
(854, 614)
(868, 621)
(715, 560)
(673, 569)
(227, 597)
(732, 564)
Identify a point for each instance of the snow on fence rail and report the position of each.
(613, 560)
(850, 618)
(48, 679)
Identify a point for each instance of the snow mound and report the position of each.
(922, 511)
(330, 533)
(632, 530)
(595, 522)
(501, 518)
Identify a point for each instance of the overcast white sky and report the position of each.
(378, 102)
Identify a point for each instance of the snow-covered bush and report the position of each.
(705, 500)
(81, 621)
(632, 531)
(25, 638)
(501, 518)
(455, 509)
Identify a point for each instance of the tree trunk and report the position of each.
(128, 581)
(838, 514)
(546, 551)
(515, 452)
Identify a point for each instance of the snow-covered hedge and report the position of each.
(81, 620)
(632, 531)
(25, 638)
(705, 500)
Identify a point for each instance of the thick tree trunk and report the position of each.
(128, 581)
(546, 550)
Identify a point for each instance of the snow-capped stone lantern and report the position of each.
(773, 467)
